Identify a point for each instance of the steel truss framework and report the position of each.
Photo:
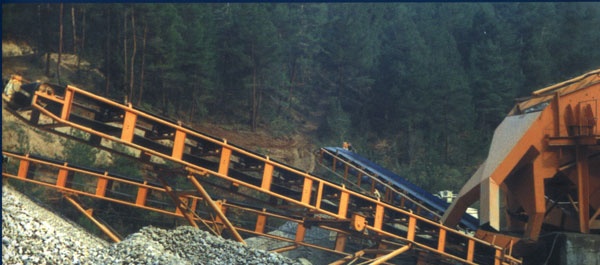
(284, 192)
(548, 176)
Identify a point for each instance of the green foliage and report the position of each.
(124, 166)
(78, 153)
(335, 128)
(430, 80)
(23, 145)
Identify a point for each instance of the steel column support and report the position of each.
(267, 178)
(178, 144)
(583, 188)
(23, 167)
(536, 216)
(61, 180)
(224, 162)
(306, 191)
(391, 255)
(101, 186)
(300, 232)
(88, 214)
(340, 241)
(216, 208)
(128, 126)
(470, 250)
(141, 196)
(182, 207)
(67, 103)
(343, 207)
(411, 230)
(378, 222)
(261, 221)
(442, 240)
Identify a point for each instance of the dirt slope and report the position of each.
(295, 150)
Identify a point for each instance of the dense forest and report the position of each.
(417, 87)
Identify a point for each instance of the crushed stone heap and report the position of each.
(34, 235)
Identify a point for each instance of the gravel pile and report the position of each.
(33, 235)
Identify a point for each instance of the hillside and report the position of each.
(295, 149)
(34, 235)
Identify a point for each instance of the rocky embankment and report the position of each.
(34, 235)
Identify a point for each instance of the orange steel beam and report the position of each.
(349, 259)
(583, 188)
(391, 255)
(182, 207)
(89, 215)
(555, 131)
(347, 196)
(216, 208)
(103, 179)
(179, 144)
(389, 190)
(128, 126)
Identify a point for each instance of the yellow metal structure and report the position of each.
(543, 168)
(284, 192)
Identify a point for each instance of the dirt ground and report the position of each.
(295, 150)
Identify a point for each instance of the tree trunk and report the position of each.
(254, 93)
(134, 49)
(193, 107)
(143, 63)
(60, 42)
(139, 102)
(291, 90)
(82, 39)
(39, 32)
(45, 32)
(47, 63)
(107, 55)
(125, 56)
(164, 95)
(74, 30)
(254, 99)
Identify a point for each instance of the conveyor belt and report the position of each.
(399, 186)
(365, 227)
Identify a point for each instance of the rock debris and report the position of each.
(34, 235)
